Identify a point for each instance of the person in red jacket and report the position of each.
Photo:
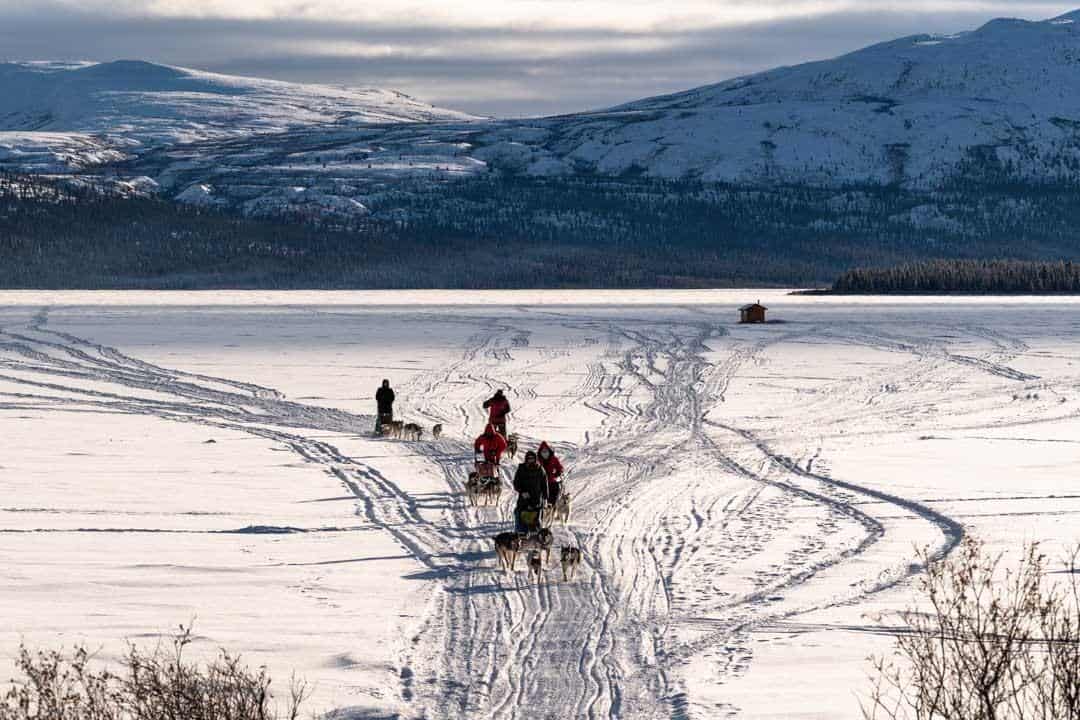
(498, 408)
(491, 445)
(554, 470)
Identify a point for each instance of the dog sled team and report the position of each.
(538, 482)
(387, 426)
(541, 500)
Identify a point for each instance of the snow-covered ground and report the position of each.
(748, 498)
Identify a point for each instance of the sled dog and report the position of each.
(541, 542)
(491, 490)
(396, 427)
(472, 488)
(507, 547)
(512, 445)
(436, 432)
(412, 431)
(561, 511)
(536, 565)
(571, 559)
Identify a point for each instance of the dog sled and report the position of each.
(486, 470)
(484, 486)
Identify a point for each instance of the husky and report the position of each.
(394, 429)
(491, 490)
(512, 445)
(571, 560)
(540, 542)
(507, 547)
(412, 431)
(436, 432)
(536, 565)
(561, 511)
(473, 486)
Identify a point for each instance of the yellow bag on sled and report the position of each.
(530, 518)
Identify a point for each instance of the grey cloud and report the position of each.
(518, 80)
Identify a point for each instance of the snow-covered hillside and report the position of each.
(917, 112)
(171, 104)
(912, 110)
(92, 111)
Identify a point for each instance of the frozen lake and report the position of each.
(748, 498)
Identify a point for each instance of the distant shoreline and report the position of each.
(927, 293)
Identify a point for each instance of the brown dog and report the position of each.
(507, 547)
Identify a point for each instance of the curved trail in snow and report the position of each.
(645, 539)
(694, 530)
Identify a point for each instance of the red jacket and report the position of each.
(552, 466)
(498, 408)
(491, 443)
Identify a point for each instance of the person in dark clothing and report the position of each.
(384, 400)
(498, 408)
(490, 444)
(531, 485)
(553, 469)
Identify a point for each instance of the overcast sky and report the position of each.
(494, 57)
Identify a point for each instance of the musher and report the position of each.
(384, 400)
(553, 469)
(498, 408)
(489, 448)
(531, 485)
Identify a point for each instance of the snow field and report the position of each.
(748, 499)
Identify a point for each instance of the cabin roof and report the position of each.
(752, 306)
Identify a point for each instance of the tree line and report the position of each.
(964, 276)
(514, 232)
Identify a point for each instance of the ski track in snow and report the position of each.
(672, 506)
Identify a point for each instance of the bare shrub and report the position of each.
(156, 684)
(991, 643)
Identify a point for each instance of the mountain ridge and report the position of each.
(920, 148)
(154, 104)
(920, 112)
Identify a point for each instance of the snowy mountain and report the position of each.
(146, 101)
(917, 113)
(913, 110)
(56, 116)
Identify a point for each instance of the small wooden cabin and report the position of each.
(752, 313)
